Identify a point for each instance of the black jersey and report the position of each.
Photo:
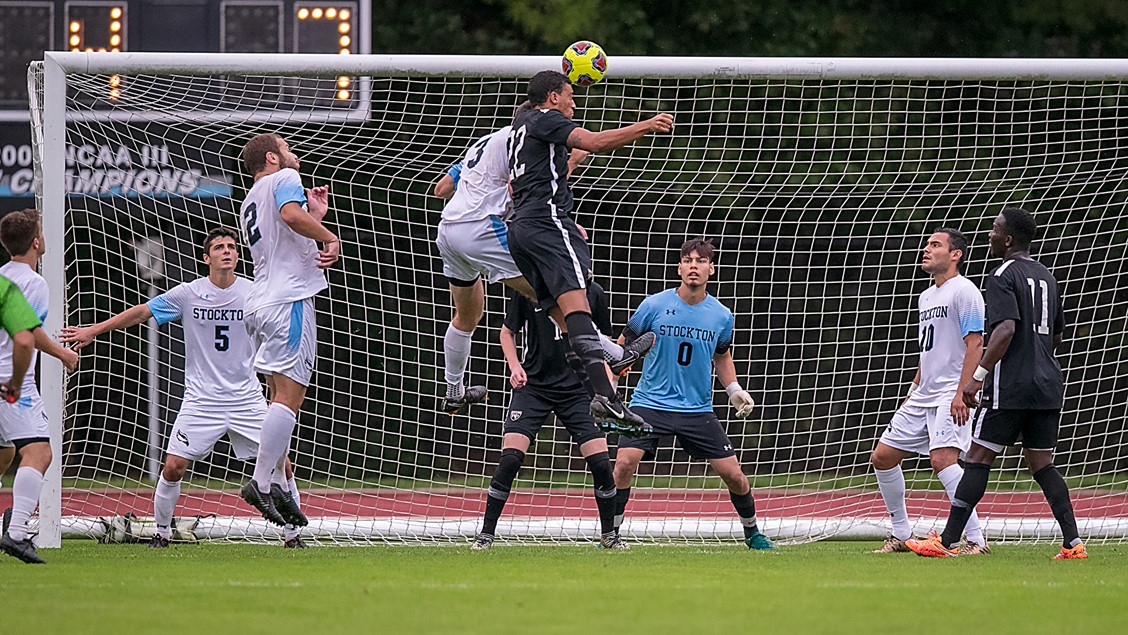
(543, 359)
(1028, 376)
(538, 164)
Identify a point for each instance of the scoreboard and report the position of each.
(28, 28)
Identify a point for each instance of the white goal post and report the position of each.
(818, 179)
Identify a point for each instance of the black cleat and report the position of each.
(472, 395)
(632, 353)
(263, 503)
(482, 543)
(22, 549)
(7, 521)
(295, 543)
(284, 503)
(158, 542)
(613, 416)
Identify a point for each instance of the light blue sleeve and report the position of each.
(971, 311)
(288, 189)
(455, 173)
(169, 306)
(643, 317)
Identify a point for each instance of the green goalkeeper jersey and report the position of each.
(15, 313)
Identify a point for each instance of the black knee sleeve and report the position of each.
(602, 474)
(506, 473)
(584, 341)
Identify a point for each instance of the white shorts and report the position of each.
(476, 248)
(922, 429)
(25, 419)
(196, 431)
(285, 339)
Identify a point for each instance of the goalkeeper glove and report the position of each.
(740, 399)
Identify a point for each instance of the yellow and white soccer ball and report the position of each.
(585, 63)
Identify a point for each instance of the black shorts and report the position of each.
(699, 433)
(1036, 428)
(529, 408)
(551, 254)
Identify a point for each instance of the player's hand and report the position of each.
(80, 336)
(662, 123)
(960, 411)
(317, 201)
(10, 391)
(329, 254)
(971, 393)
(518, 378)
(742, 402)
(69, 358)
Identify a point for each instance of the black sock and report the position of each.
(745, 508)
(968, 494)
(604, 478)
(578, 368)
(1057, 495)
(622, 495)
(584, 340)
(500, 485)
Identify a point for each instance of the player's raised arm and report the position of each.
(81, 336)
(308, 224)
(447, 184)
(614, 139)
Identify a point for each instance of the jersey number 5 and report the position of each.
(250, 218)
(222, 339)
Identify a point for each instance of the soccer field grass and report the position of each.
(824, 587)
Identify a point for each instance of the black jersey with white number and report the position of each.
(544, 346)
(1028, 376)
(538, 164)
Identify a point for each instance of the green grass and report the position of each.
(834, 587)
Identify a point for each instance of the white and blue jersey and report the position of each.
(677, 375)
(947, 314)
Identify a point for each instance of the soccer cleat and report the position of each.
(284, 503)
(759, 542)
(613, 416)
(295, 543)
(158, 542)
(472, 395)
(893, 545)
(1072, 553)
(7, 521)
(261, 502)
(482, 543)
(21, 549)
(931, 547)
(633, 352)
(972, 548)
(612, 540)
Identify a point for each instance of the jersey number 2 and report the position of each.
(250, 217)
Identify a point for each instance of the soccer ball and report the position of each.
(585, 63)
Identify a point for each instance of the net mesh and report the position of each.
(818, 194)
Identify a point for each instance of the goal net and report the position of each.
(818, 180)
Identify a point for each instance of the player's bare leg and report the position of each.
(469, 303)
(740, 493)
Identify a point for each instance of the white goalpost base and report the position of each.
(818, 179)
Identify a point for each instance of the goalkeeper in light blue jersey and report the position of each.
(675, 395)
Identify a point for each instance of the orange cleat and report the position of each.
(931, 547)
(1072, 553)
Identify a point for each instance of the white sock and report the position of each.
(277, 428)
(25, 496)
(891, 482)
(611, 350)
(950, 477)
(164, 502)
(456, 350)
(292, 531)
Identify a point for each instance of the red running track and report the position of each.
(454, 503)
